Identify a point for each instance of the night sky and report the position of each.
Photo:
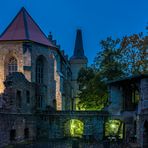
(98, 19)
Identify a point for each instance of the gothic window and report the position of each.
(40, 101)
(12, 65)
(39, 70)
(54, 103)
(28, 97)
(19, 98)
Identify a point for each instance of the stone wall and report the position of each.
(17, 123)
(55, 123)
(25, 102)
(8, 50)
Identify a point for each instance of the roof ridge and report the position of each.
(25, 23)
(35, 23)
(23, 27)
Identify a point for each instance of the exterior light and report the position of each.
(113, 126)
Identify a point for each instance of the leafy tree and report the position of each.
(118, 58)
(107, 62)
(93, 91)
(135, 54)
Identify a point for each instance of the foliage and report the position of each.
(134, 54)
(74, 128)
(93, 91)
(117, 58)
(107, 62)
(114, 128)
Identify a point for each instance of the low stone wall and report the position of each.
(16, 128)
(52, 125)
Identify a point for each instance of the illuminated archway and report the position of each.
(74, 128)
(114, 128)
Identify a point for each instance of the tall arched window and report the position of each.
(12, 65)
(39, 70)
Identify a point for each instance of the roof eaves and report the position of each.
(128, 78)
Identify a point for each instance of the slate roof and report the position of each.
(23, 27)
(78, 50)
(130, 78)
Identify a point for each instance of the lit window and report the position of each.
(12, 65)
(114, 128)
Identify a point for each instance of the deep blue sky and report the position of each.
(98, 19)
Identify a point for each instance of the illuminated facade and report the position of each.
(38, 83)
(24, 48)
(35, 77)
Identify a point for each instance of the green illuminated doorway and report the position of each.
(74, 128)
(114, 128)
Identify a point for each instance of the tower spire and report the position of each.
(78, 50)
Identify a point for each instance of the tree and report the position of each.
(93, 91)
(135, 54)
(107, 62)
(118, 58)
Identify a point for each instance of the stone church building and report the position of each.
(38, 87)
(35, 76)
(48, 77)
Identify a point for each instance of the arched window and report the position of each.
(39, 70)
(12, 134)
(12, 65)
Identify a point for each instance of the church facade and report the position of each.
(38, 87)
(24, 48)
(35, 76)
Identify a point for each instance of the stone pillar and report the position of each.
(98, 128)
(143, 104)
(116, 100)
(88, 128)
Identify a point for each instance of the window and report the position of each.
(54, 103)
(26, 133)
(28, 97)
(135, 97)
(39, 70)
(40, 101)
(114, 128)
(12, 134)
(12, 65)
(18, 99)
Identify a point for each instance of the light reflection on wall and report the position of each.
(114, 128)
(74, 128)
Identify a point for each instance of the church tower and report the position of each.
(77, 61)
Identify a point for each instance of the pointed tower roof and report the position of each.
(23, 27)
(78, 50)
